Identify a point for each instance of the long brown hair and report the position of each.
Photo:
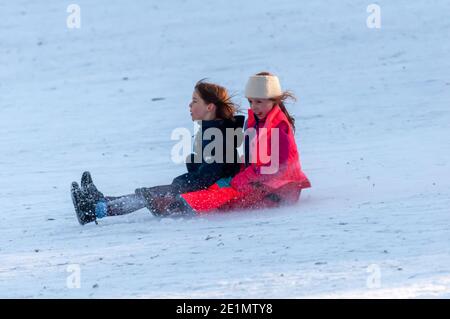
(280, 101)
(217, 95)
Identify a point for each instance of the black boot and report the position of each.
(84, 205)
(88, 187)
(86, 179)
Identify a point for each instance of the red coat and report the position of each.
(254, 186)
(289, 170)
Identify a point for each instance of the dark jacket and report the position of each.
(203, 173)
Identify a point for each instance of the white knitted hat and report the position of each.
(263, 87)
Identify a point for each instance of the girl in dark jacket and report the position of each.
(212, 107)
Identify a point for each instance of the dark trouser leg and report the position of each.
(156, 191)
(151, 194)
(124, 204)
(169, 205)
(162, 200)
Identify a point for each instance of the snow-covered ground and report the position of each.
(373, 127)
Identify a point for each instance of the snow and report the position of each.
(373, 127)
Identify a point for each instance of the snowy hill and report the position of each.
(373, 127)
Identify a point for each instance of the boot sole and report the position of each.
(75, 193)
(86, 179)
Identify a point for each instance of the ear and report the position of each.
(211, 107)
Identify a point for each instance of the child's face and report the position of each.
(200, 111)
(261, 107)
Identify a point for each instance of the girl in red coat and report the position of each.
(271, 174)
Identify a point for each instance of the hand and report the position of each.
(256, 184)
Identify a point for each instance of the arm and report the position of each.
(251, 176)
(191, 165)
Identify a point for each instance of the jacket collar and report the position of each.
(254, 120)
